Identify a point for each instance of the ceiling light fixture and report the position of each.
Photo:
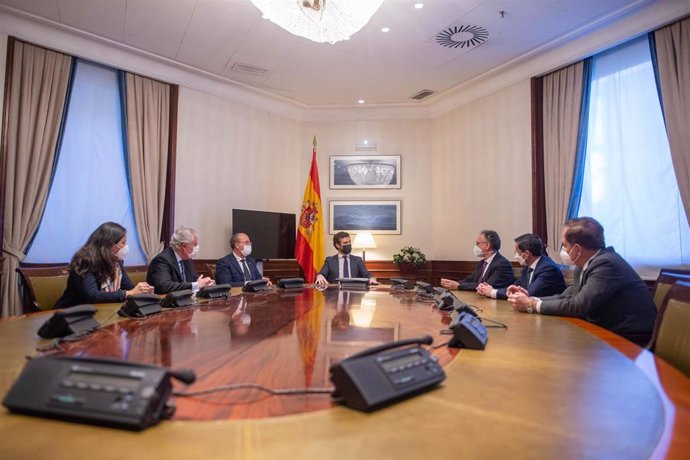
(385, 29)
(361, 101)
(322, 21)
(419, 6)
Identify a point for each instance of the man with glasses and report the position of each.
(173, 270)
(493, 269)
(540, 275)
(237, 268)
(606, 290)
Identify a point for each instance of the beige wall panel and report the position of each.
(230, 155)
(482, 173)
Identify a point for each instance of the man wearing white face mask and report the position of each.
(606, 290)
(540, 275)
(493, 269)
(173, 270)
(238, 267)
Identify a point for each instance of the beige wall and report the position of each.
(230, 155)
(482, 174)
(463, 171)
(409, 138)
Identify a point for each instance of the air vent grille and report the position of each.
(423, 94)
(248, 68)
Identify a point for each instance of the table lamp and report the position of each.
(364, 241)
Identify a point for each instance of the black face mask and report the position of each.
(346, 249)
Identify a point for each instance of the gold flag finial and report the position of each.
(314, 141)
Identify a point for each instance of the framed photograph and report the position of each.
(365, 171)
(380, 217)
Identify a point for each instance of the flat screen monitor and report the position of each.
(272, 233)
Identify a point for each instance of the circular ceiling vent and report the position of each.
(464, 36)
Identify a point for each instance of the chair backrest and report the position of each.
(137, 273)
(667, 277)
(672, 331)
(43, 286)
(211, 270)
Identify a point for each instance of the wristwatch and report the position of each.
(529, 307)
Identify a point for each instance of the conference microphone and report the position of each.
(186, 376)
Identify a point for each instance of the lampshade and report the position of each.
(364, 240)
(322, 21)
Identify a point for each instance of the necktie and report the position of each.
(346, 267)
(245, 270)
(529, 271)
(182, 274)
(481, 277)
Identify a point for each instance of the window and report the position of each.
(629, 184)
(90, 181)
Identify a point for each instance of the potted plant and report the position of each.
(409, 259)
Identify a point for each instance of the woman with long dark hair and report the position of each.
(96, 272)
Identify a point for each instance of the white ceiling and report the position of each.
(380, 68)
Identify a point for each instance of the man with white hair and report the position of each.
(172, 269)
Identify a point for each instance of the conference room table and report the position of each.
(544, 387)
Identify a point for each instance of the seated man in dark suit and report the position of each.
(606, 291)
(540, 274)
(173, 270)
(237, 267)
(494, 269)
(343, 264)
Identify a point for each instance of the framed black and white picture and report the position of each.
(380, 217)
(365, 171)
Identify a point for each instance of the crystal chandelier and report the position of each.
(319, 20)
(371, 173)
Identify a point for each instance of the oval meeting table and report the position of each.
(544, 387)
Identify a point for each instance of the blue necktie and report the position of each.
(182, 271)
(529, 276)
(346, 267)
(245, 270)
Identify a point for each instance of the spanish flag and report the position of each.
(309, 246)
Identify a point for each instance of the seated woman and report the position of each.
(96, 273)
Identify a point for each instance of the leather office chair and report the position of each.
(667, 277)
(42, 286)
(211, 270)
(137, 273)
(671, 338)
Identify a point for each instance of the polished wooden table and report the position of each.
(546, 387)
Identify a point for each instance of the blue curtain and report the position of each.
(655, 66)
(581, 155)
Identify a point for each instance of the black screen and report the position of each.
(272, 233)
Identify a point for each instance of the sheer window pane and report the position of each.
(629, 184)
(90, 184)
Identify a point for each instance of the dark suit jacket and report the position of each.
(611, 295)
(357, 268)
(499, 274)
(547, 279)
(85, 289)
(164, 273)
(229, 271)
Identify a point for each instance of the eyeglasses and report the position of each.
(481, 242)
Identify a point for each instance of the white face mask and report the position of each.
(195, 251)
(565, 257)
(521, 260)
(122, 253)
(247, 250)
(477, 251)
